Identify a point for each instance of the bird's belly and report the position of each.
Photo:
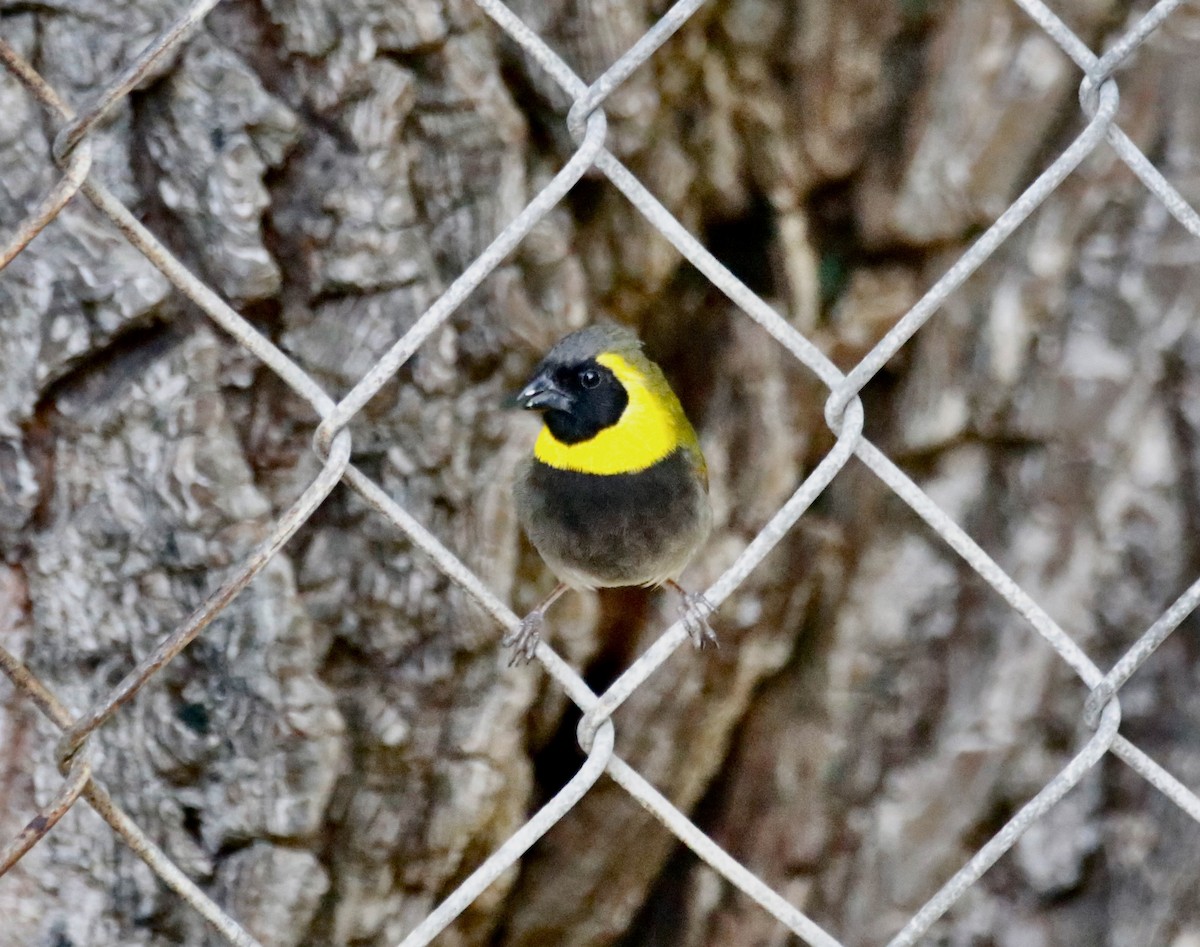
(614, 529)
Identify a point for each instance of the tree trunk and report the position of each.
(345, 743)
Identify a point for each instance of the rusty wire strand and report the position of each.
(73, 174)
(79, 775)
(98, 798)
(130, 77)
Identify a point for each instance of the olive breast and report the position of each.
(615, 529)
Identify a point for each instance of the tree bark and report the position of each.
(345, 743)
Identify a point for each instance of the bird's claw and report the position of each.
(524, 640)
(694, 611)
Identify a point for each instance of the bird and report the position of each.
(615, 492)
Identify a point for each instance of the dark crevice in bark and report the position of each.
(559, 760)
(545, 124)
(746, 246)
(151, 210)
(39, 443)
(117, 364)
(660, 919)
(686, 332)
(246, 28)
(1178, 384)
(841, 249)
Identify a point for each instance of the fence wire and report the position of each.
(1099, 97)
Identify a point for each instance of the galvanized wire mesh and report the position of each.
(844, 415)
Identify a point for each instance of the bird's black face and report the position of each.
(579, 400)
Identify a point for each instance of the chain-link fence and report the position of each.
(1098, 94)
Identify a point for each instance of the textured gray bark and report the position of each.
(345, 743)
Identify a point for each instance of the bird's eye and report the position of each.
(589, 378)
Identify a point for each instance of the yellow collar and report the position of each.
(651, 427)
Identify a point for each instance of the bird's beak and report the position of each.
(542, 394)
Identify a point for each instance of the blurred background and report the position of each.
(346, 743)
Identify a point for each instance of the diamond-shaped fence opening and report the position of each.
(586, 121)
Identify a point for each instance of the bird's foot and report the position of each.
(694, 611)
(524, 640)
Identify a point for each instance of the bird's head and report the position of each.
(576, 386)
